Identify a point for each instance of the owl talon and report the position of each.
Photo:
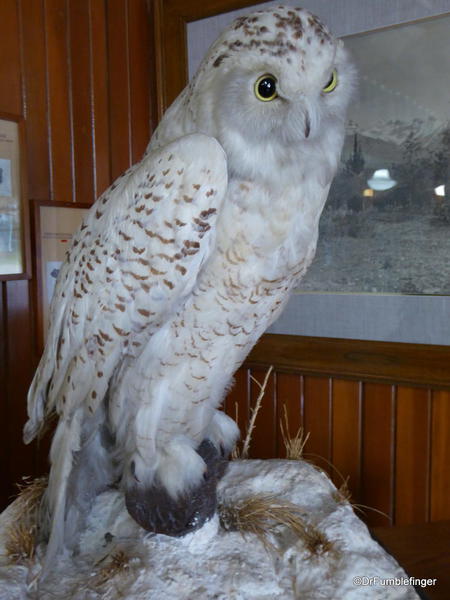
(156, 511)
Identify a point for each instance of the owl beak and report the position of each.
(307, 125)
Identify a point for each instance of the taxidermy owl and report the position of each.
(178, 269)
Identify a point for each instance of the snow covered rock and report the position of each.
(317, 556)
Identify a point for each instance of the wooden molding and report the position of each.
(170, 19)
(383, 362)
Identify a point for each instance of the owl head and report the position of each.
(274, 87)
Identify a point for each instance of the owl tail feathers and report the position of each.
(36, 408)
(65, 443)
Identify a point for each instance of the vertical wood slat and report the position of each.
(119, 81)
(59, 102)
(289, 406)
(378, 452)
(317, 420)
(440, 456)
(99, 92)
(412, 455)
(81, 90)
(346, 427)
(4, 453)
(19, 373)
(11, 100)
(35, 98)
(139, 48)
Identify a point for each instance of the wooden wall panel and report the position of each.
(119, 77)
(289, 405)
(412, 455)
(80, 71)
(35, 99)
(59, 102)
(317, 420)
(100, 93)
(10, 71)
(440, 456)
(346, 431)
(378, 451)
(65, 67)
(18, 338)
(139, 79)
(390, 440)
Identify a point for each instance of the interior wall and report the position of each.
(78, 71)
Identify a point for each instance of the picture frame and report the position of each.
(14, 216)
(55, 223)
(385, 227)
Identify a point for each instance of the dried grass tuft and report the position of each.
(20, 543)
(118, 564)
(294, 445)
(21, 534)
(342, 495)
(261, 514)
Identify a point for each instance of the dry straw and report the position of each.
(119, 562)
(21, 533)
(261, 514)
(243, 454)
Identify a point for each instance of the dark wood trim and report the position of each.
(382, 362)
(24, 213)
(170, 19)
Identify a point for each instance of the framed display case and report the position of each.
(14, 235)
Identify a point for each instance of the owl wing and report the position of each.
(134, 260)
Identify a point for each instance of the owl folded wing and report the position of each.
(131, 264)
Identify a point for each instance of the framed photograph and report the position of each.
(14, 235)
(386, 224)
(54, 225)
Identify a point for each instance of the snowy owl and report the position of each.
(178, 269)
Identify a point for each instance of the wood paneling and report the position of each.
(417, 364)
(346, 432)
(440, 457)
(317, 420)
(10, 71)
(78, 71)
(412, 458)
(59, 105)
(378, 452)
(390, 440)
(289, 402)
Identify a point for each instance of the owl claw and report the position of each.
(156, 511)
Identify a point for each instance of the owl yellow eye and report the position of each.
(266, 88)
(331, 85)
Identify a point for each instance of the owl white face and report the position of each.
(274, 79)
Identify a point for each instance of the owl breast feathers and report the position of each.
(181, 265)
